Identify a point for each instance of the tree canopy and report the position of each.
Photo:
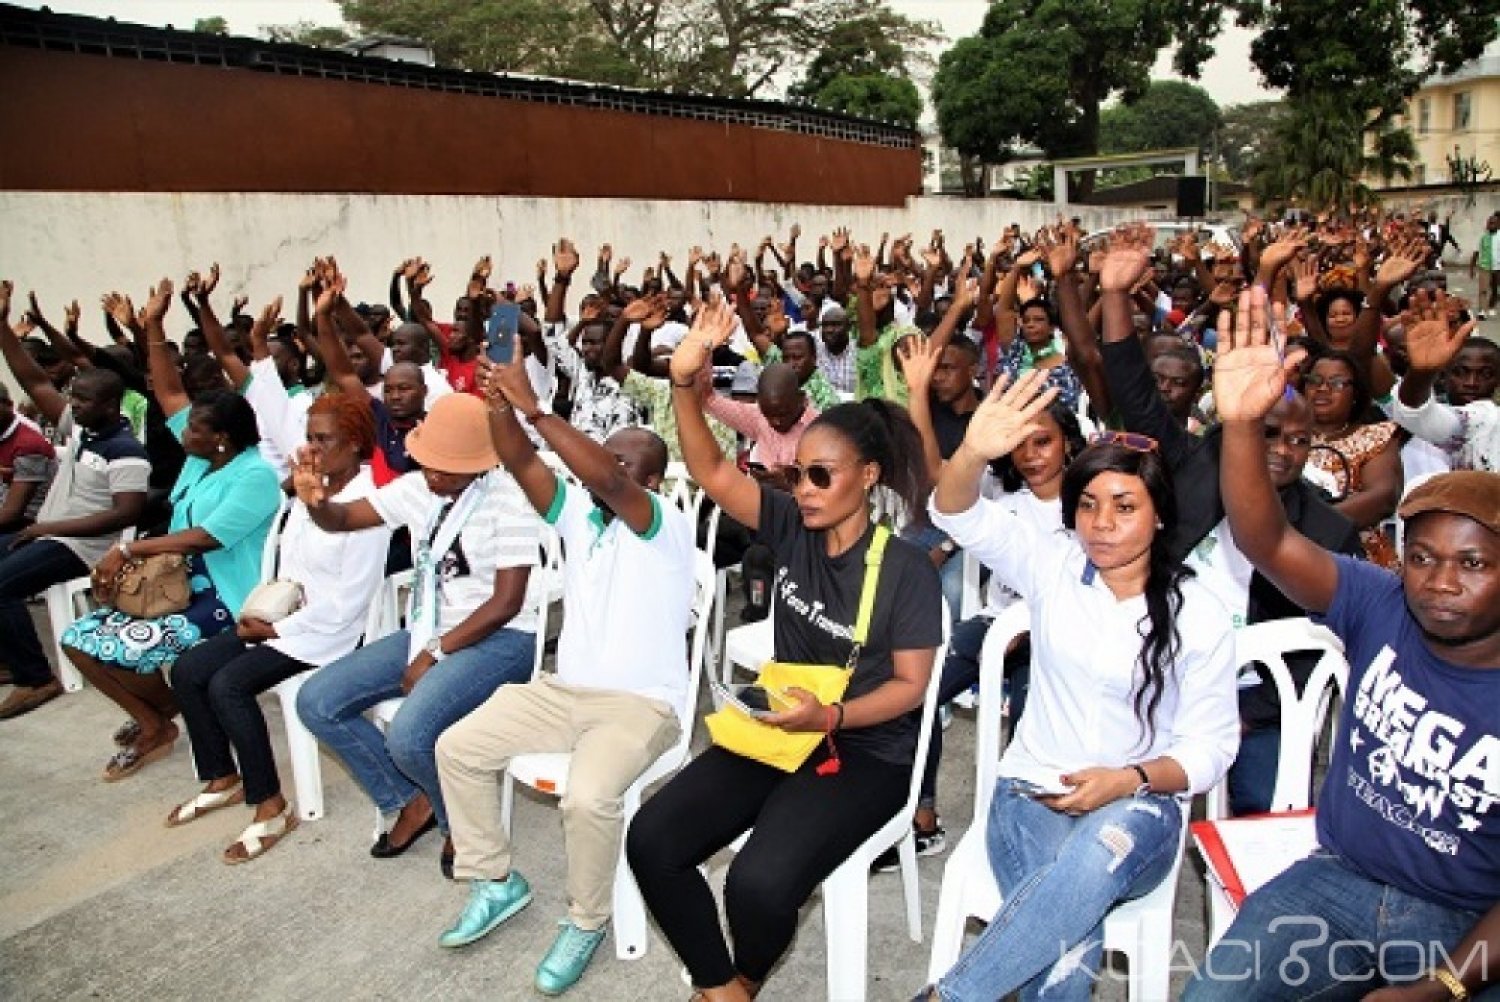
(865, 67)
(1169, 115)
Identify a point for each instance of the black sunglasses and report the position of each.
(820, 475)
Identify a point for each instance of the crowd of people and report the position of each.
(1151, 443)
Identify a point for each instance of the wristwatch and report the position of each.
(434, 647)
(1145, 787)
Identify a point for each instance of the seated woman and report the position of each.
(808, 821)
(471, 625)
(218, 681)
(1124, 715)
(1028, 485)
(222, 507)
(1363, 458)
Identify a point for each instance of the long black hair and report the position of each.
(883, 433)
(1160, 640)
(1073, 445)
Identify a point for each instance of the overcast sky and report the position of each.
(1229, 77)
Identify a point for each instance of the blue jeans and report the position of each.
(1322, 930)
(395, 766)
(26, 571)
(1252, 777)
(1042, 858)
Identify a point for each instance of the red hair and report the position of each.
(354, 418)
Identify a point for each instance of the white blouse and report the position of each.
(1084, 647)
(339, 573)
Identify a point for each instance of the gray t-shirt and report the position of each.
(91, 469)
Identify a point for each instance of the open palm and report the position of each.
(1007, 415)
(1250, 375)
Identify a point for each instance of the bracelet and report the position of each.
(685, 386)
(536, 415)
(829, 726)
(1140, 771)
(1450, 981)
(840, 725)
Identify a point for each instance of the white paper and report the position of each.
(1261, 848)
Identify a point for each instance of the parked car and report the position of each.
(1168, 230)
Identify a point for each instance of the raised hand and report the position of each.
(71, 315)
(1287, 246)
(211, 282)
(159, 301)
(6, 288)
(712, 328)
(482, 269)
(1127, 257)
(1007, 414)
(564, 257)
(510, 381)
(307, 478)
(776, 322)
(1027, 288)
(1250, 373)
(840, 239)
(1306, 273)
(1062, 252)
(1402, 263)
(736, 275)
(269, 318)
(919, 359)
(621, 267)
(1433, 337)
(864, 266)
(120, 309)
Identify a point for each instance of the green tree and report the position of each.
(1248, 134)
(1323, 149)
(215, 25)
(1169, 115)
(1039, 70)
(865, 65)
(306, 33)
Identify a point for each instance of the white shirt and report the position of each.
(1224, 570)
(280, 416)
(1084, 649)
(1044, 516)
(627, 599)
(339, 573)
(1470, 434)
(502, 531)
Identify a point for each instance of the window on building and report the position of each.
(1463, 106)
(1420, 177)
(1424, 116)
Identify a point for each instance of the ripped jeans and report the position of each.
(1059, 876)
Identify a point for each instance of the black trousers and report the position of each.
(217, 683)
(805, 826)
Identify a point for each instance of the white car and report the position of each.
(1168, 230)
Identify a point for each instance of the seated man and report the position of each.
(1467, 427)
(1402, 888)
(619, 697)
(27, 463)
(773, 424)
(99, 489)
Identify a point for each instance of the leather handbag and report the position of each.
(273, 601)
(736, 731)
(151, 587)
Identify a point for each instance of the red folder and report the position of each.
(1221, 865)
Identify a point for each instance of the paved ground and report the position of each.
(99, 900)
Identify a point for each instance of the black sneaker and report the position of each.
(886, 862)
(932, 843)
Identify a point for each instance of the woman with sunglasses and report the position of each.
(1124, 718)
(809, 821)
(1362, 457)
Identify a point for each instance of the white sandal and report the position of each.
(261, 836)
(205, 803)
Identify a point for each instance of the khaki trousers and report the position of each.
(613, 736)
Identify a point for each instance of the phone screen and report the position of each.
(500, 332)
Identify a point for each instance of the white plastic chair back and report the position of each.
(992, 726)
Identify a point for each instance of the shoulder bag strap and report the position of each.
(873, 557)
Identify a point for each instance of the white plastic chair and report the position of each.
(389, 614)
(846, 892)
(548, 772)
(1302, 718)
(67, 601)
(1141, 929)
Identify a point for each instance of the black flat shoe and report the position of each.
(384, 848)
(445, 863)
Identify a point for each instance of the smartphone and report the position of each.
(500, 332)
(752, 699)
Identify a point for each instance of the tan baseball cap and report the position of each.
(455, 436)
(1471, 493)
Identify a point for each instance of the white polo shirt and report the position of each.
(627, 599)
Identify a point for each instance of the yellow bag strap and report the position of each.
(873, 557)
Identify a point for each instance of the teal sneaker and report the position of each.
(490, 903)
(569, 957)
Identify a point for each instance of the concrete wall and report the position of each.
(67, 245)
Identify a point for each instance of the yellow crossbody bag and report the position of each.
(735, 731)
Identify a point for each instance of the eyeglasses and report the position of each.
(820, 475)
(1335, 383)
(1125, 439)
(1296, 441)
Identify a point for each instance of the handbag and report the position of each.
(273, 601)
(151, 587)
(735, 731)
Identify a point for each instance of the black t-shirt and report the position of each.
(949, 426)
(817, 602)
